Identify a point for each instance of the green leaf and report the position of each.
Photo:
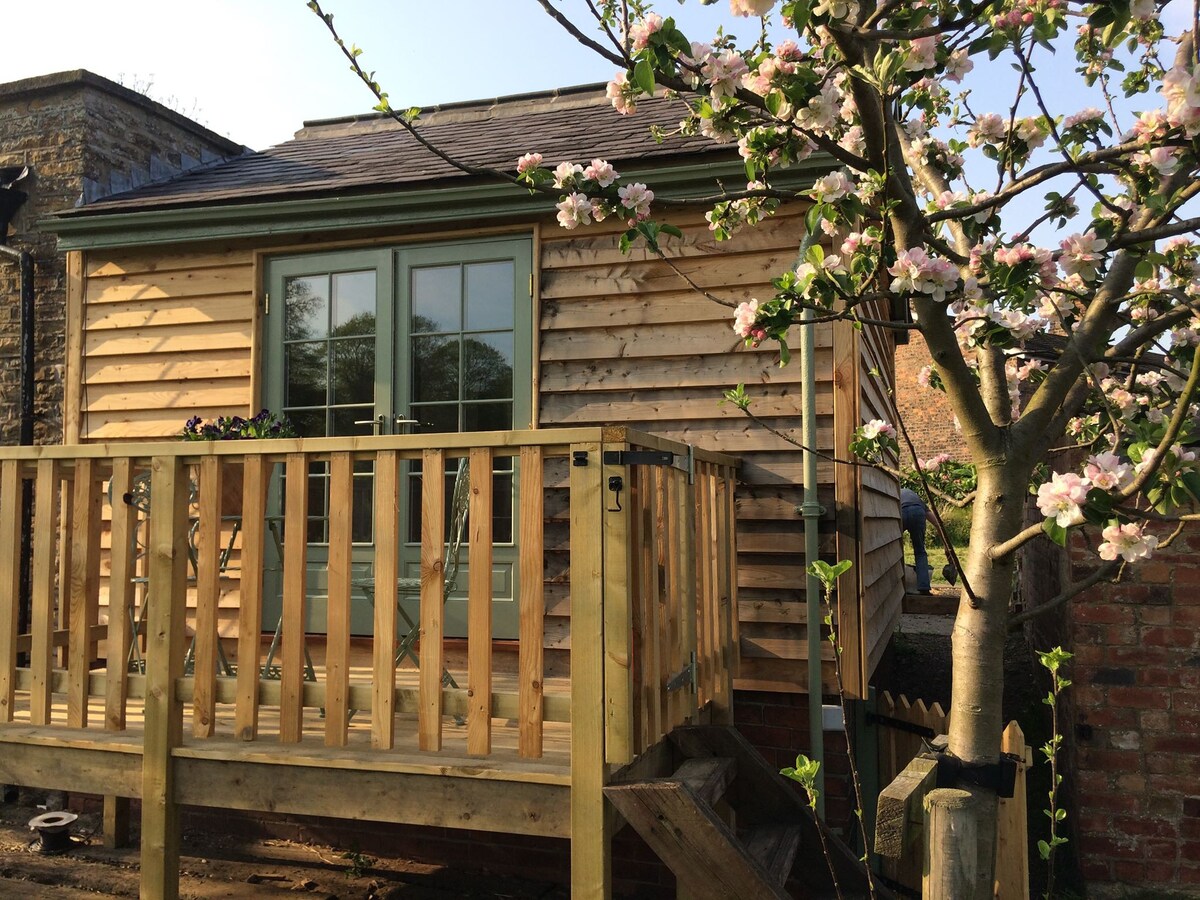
(671, 230)
(643, 75)
(1043, 849)
(1055, 532)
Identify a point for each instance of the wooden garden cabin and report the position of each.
(406, 316)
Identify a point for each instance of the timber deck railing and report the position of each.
(652, 590)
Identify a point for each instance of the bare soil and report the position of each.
(217, 866)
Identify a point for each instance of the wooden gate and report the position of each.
(904, 728)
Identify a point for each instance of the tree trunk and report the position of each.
(978, 639)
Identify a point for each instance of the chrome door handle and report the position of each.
(377, 423)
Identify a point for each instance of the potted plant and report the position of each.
(264, 426)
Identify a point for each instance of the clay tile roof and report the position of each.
(372, 153)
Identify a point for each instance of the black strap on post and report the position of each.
(999, 776)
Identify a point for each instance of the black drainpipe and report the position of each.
(10, 201)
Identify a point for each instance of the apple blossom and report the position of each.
(1107, 472)
(915, 271)
(601, 172)
(636, 198)
(574, 210)
(1128, 541)
(750, 7)
(1061, 496)
(1081, 254)
(622, 94)
(876, 427)
(640, 31)
(528, 162)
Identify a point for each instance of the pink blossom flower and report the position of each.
(1181, 89)
(527, 162)
(622, 94)
(1127, 541)
(873, 429)
(723, 73)
(988, 129)
(750, 7)
(601, 172)
(640, 31)
(833, 186)
(1164, 160)
(915, 271)
(1081, 254)
(1107, 472)
(924, 376)
(1090, 114)
(1061, 496)
(574, 210)
(921, 54)
(743, 318)
(636, 198)
(958, 65)
(935, 462)
(565, 173)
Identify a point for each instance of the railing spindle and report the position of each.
(10, 581)
(387, 571)
(652, 623)
(208, 591)
(254, 536)
(337, 648)
(45, 530)
(82, 588)
(532, 601)
(479, 606)
(295, 588)
(120, 595)
(432, 653)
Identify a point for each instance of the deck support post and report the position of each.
(164, 665)
(591, 825)
(116, 821)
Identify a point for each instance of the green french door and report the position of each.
(416, 339)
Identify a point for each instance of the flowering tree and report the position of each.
(1088, 343)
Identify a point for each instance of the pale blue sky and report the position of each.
(255, 69)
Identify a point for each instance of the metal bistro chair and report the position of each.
(412, 586)
(139, 498)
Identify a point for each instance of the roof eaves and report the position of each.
(453, 201)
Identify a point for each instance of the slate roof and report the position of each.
(372, 153)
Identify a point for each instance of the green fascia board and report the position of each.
(398, 207)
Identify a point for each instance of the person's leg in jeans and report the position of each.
(913, 518)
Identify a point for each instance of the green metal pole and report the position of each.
(810, 510)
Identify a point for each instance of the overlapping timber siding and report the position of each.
(166, 333)
(625, 339)
(881, 575)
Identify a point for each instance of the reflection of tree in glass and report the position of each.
(302, 305)
(354, 361)
(487, 373)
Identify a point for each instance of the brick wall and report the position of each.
(926, 413)
(1133, 733)
(81, 136)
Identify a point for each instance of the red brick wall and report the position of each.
(925, 412)
(1134, 722)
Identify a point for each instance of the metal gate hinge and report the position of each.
(638, 458)
(684, 677)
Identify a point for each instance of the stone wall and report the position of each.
(82, 137)
(925, 412)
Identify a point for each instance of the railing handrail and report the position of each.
(501, 442)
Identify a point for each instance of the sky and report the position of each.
(255, 70)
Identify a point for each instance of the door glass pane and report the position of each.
(434, 368)
(306, 307)
(487, 416)
(488, 366)
(441, 418)
(353, 370)
(489, 296)
(306, 381)
(437, 298)
(307, 422)
(354, 303)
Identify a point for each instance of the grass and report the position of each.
(958, 526)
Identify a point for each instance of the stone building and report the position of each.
(81, 137)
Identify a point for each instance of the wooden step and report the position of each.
(942, 604)
(708, 778)
(774, 846)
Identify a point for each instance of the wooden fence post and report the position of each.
(620, 743)
(950, 846)
(591, 826)
(164, 665)
(1012, 845)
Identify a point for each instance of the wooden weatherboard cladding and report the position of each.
(163, 333)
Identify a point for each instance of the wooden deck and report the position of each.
(519, 743)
